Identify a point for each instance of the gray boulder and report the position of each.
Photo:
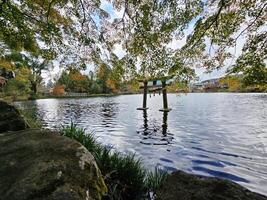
(10, 118)
(39, 164)
(182, 186)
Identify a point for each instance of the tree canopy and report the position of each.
(218, 27)
(64, 29)
(80, 32)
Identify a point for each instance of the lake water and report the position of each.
(213, 134)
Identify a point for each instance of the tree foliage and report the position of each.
(74, 81)
(79, 32)
(231, 25)
(148, 27)
(51, 28)
(34, 63)
(18, 86)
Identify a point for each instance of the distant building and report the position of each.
(207, 85)
(197, 86)
(215, 84)
(211, 84)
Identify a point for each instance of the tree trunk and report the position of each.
(34, 87)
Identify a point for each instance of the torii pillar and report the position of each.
(164, 96)
(144, 97)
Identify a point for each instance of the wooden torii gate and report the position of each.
(156, 84)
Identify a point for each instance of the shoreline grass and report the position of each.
(124, 175)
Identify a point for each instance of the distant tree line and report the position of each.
(255, 81)
(103, 80)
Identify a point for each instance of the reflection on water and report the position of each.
(108, 112)
(223, 135)
(164, 124)
(154, 134)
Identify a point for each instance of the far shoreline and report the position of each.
(25, 98)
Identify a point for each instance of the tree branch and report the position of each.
(253, 22)
(212, 23)
(49, 10)
(84, 16)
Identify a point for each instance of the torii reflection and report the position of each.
(164, 124)
(153, 133)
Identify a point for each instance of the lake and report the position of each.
(212, 134)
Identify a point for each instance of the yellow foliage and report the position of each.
(233, 83)
(77, 76)
(177, 87)
(134, 86)
(112, 85)
(103, 72)
(6, 64)
(23, 74)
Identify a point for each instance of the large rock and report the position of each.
(10, 118)
(183, 186)
(38, 164)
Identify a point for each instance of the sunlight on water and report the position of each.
(223, 134)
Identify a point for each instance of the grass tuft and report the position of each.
(154, 180)
(124, 175)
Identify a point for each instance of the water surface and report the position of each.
(213, 134)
